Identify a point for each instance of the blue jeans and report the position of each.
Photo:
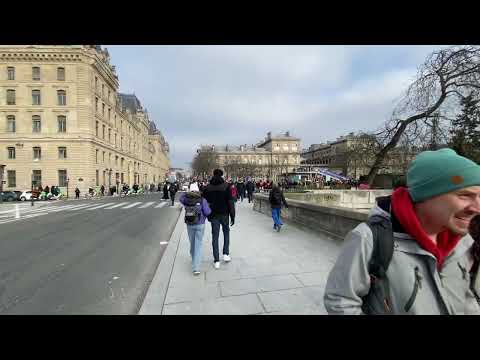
(222, 220)
(195, 235)
(276, 217)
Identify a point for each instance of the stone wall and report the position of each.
(333, 221)
(354, 199)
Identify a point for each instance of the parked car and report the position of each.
(27, 195)
(19, 193)
(8, 196)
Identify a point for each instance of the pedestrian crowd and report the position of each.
(418, 252)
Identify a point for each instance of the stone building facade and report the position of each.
(353, 155)
(269, 158)
(63, 122)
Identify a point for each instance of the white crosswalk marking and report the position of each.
(114, 206)
(60, 208)
(81, 207)
(131, 205)
(100, 206)
(150, 203)
(160, 205)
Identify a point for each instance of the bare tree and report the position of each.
(204, 163)
(360, 153)
(447, 76)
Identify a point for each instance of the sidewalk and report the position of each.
(270, 272)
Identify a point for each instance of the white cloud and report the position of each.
(235, 94)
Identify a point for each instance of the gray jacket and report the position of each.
(446, 292)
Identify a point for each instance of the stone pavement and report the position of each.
(270, 272)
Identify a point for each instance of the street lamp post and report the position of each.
(31, 194)
(68, 180)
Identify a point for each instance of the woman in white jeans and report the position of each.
(196, 211)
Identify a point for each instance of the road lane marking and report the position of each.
(100, 206)
(164, 243)
(60, 208)
(81, 207)
(131, 205)
(23, 218)
(116, 205)
(150, 203)
(160, 205)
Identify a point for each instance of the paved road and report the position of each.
(83, 257)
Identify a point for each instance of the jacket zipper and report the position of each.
(418, 285)
(464, 271)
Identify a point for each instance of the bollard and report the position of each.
(17, 212)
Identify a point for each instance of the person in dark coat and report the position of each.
(102, 190)
(277, 199)
(172, 190)
(221, 202)
(250, 189)
(165, 191)
(241, 190)
(77, 193)
(47, 189)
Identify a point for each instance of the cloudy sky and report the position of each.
(236, 94)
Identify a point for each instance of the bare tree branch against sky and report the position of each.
(236, 94)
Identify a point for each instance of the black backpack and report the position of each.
(378, 300)
(473, 278)
(193, 211)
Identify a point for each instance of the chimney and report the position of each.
(269, 135)
(287, 134)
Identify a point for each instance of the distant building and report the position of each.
(353, 155)
(269, 158)
(63, 122)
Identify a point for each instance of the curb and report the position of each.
(155, 298)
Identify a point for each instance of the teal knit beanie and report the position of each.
(434, 173)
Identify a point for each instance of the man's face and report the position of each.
(454, 210)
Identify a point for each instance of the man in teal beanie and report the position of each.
(428, 266)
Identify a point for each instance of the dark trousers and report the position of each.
(172, 196)
(77, 195)
(217, 221)
(250, 197)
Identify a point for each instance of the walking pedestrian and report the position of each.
(276, 200)
(241, 189)
(102, 190)
(419, 258)
(196, 210)
(233, 190)
(165, 191)
(250, 189)
(77, 193)
(172, 190)
(220, 200)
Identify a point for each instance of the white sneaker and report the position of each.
(196, 272)
(216, 265)
(227, 258)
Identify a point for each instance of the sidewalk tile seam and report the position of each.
(261, 303)
(263, 291)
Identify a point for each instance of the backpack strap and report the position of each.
(473, 278)
(378, 300)
(382, 245)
